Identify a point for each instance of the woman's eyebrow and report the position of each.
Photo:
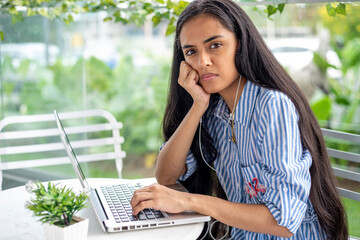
(212, 38)
(205, 41)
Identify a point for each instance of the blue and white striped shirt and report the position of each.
(268, 164)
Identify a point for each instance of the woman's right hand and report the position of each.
(189, 80)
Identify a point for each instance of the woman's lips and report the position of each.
(208, 76)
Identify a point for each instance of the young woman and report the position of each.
(232, 105)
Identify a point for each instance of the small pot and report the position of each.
(75, 231)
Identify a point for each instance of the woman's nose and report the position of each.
(204, 60)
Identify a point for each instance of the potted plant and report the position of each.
(56, 207)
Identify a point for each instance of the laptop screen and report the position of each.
(71, 153)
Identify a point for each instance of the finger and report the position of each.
(185, 70)
(140, 197)
(141, 206)
(190, 81)
(141, 190)
(193, 76)
(183, 66)
(145, 189)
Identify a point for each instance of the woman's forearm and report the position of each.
(171, 160)
(250, 217)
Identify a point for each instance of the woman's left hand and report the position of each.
(159, 197)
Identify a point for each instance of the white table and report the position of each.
(17, 223)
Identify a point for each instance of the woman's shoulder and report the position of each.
(274, 99)
(268, 95)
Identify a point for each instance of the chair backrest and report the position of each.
(344, 154)
(37, 137)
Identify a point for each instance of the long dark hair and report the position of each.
(257, 64)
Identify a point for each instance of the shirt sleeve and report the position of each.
(285, 163)
(190, 164)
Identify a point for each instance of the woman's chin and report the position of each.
(210, 89)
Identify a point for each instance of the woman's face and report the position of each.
(209, 48)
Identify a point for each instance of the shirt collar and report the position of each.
(244, 108)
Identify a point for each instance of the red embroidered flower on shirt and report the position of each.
(254, 188)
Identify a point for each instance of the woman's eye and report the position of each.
(215, 45)
(189, 52)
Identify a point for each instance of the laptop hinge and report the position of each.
(97, 205)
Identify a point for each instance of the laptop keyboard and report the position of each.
(118, 198)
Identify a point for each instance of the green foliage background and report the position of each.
(135, 95)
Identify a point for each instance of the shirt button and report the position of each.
(285, 189)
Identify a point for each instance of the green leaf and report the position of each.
(166, 15)
(18, 2)
(2, 35)
(172, 20)
(351, 54)
(43, 12)
(322, 63)
(117, 14)
(68, 19)
(341, 9)
(270, 10)
(170, 4)
(57, 11)
(281, 7)
(30, 12)
(64, 7)
(156, 19)
(107, 19)
(178, 8)
(342, 100)
(330, 10)
(322, 108)
(148, 7)
(170, 29)
(13, 10)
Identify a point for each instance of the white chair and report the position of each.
(31, 135)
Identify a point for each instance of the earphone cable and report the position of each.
(219, 174)
(201, 152)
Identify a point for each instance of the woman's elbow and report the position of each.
(167, 177)
(287, 234)
(164, 180)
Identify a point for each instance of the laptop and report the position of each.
(111, 203)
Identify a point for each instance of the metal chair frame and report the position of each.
(349, 156)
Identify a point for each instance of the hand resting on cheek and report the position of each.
(189, 80)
